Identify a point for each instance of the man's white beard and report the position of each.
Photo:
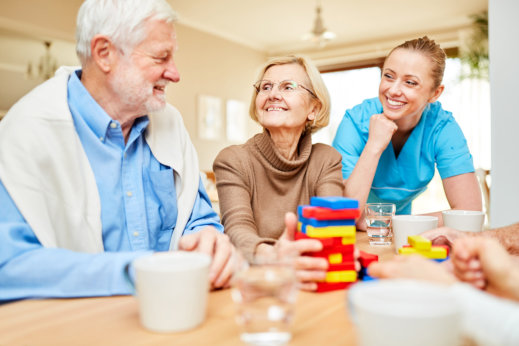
(136, 93)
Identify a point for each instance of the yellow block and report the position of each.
(335, 258)
(330, 231)
(419, 242)
(341, 276)
(407, 251)
(348, 240)
(300, 226)
(436, 252)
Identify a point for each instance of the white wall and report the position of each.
(504, 77)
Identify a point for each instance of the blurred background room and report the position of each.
(222, 43)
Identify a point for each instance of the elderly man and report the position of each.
(97, 169)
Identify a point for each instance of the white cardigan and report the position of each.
(45, 170)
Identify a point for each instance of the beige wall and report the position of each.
(211, 66)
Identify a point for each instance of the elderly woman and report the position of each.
(277, 170)
(390, 145)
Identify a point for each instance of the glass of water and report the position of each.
(378, 222)
(265, 295)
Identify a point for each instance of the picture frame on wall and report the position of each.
(236, 121)
(210, 119)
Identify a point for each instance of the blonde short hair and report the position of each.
(317, 87)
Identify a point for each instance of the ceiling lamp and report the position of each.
(319, 34)
(45, 68)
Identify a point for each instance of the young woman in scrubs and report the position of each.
(391, 144)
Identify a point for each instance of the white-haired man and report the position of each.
(97, 169)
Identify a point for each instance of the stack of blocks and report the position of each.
(419, 245)
(331, 220)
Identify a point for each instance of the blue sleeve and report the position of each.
(452, 154)
(28, 270)
(349, 143)
(203, 213)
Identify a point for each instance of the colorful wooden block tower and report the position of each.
(419, 245)
(331, 220)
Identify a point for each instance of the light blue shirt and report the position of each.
(138, 214)
(436, 140)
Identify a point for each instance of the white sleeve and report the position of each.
(487, 319)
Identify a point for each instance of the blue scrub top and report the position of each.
(436, 139)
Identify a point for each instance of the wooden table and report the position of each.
(320, 319)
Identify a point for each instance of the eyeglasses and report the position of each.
(285, 87)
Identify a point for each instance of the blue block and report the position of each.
(440, 260)
(324, 223)
(368, 278)
(334, 202)
(300, 211)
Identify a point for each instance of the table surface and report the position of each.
(320, 319)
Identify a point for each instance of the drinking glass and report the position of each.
(265, 295)
(378, 222)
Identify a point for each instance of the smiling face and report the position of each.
(289, 110)
(407, 86)
(142, 75)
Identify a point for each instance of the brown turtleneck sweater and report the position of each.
(257, 186)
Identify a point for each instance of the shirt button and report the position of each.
(135, 234)
(129, 193)
(113, 125)
(101, 139)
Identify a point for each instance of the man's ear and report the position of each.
(103, 52)
(437, 93)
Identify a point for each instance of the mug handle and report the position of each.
(128, 277)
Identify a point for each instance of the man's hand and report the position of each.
(218, 246)
(485, 264)
(444, 236)
(411, 267)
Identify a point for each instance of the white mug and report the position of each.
(464, 220)
(172, 289)
(406, 225)
(404, 312)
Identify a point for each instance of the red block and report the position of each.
(367, 258)
(321, 213)
(341, 266)
(332, 286)
(334, 243)
(347, 254)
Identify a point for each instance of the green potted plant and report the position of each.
(475, 53)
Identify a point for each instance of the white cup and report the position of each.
(404, 312)
(172, 289)
(464, 220)
(406, 225)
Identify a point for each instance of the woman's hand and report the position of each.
(308, 269)
(381, 130)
